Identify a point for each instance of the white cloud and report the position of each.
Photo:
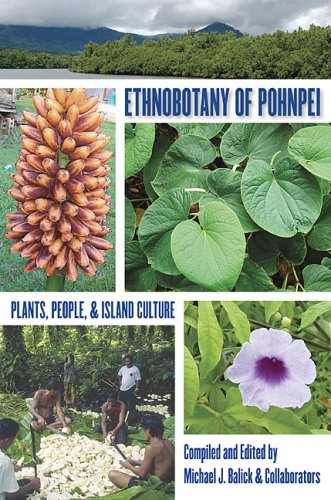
(148, 16)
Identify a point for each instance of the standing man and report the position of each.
(10, 489)
(43, 404)
(129, 379)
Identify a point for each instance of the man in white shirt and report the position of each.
(9, 487)
(129, 379)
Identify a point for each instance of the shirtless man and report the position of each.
(42, 407)
(159, 459)
(113, 418)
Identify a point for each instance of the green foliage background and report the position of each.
(32, 355)
(223, 207)
(213, 335)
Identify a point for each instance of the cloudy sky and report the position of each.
(160, 16)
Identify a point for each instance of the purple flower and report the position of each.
(273, 369)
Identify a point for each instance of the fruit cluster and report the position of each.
(60, 185)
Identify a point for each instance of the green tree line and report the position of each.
(25, 59)
(300, 54)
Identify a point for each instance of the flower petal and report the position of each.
(298, 362)
(243, 368)
(254, 393)
(270, 342)
(289, 394)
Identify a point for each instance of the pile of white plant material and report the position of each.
(159, 398)
(77, 467)
(161, 409)
(87, 413)
(90, 413)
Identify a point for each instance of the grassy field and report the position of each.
(12, 277)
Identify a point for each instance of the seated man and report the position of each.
(159, 459)
(9, 487)
(113, 418)
(42, 407)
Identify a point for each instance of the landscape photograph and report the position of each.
(170, 39)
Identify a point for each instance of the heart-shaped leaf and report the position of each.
(254, 141)
(283, 200)
(311, 147)
(138, 146)
(320, 236)
(177, 283)
(226, 183)
(254, 279)
(156, 227)
(183, 164)
(210, 253)
(139, 277)
(206, 130)
(317, 278)
(266, 250)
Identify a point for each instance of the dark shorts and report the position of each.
(48, 420)
(133, 482)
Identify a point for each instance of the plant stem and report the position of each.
(311, 342)
(284, 285)
(55, 283)
(139, 199)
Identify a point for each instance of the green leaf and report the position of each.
(325, 185)
(157, 225)
(320, 236)
(254, 141)
(191, 316)
(326, 261)
(160, 148)
(226, 185)
(130, 221)
(313, 312)
(138, 146)
(177, 283)
(206, 130)
(191, 383)
(208, 421)
(266, 250)
(285, 200)
(183, 164)
(311, 147)
(216, 398)
(254, 279)
(239, 321)
(139, 276)
(270, 308)
(299, 126)
(210, 338)
(317, 278)
(276, 420)
(212, 253)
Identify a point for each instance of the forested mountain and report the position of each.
(73, 40)
(300, 54)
